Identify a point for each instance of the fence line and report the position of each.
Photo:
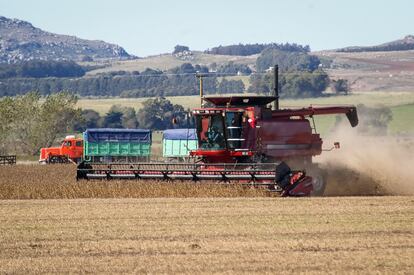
(7, 160)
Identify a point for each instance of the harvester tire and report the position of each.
(318, 180)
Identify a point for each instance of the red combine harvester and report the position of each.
(245, 130)
(242, 139)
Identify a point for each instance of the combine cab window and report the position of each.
(79, 144)
(234, 129)
(67, 143)
(210, 132)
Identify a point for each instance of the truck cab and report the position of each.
(70, 150)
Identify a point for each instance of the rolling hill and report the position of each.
(385, 67)
(372, 71)
(404, 44)
(21, 41)
(168, 61)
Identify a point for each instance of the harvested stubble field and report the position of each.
(184, 228)
(208, 235)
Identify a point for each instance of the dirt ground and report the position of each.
(208, 235)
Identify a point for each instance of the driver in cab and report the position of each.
(215, 138)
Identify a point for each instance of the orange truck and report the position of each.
(70, 151)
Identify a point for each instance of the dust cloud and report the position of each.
(368, 165)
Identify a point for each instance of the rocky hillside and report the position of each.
(21, 41)
(404, 44)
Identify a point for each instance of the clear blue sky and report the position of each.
(153, 26)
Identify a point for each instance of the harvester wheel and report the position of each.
(318, 180)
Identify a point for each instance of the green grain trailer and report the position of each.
(177, 143)
(117, 145)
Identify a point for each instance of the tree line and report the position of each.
(41, 68)
(148, 83)
(30, 122)
(291, 84)
(232, 68)
(287, 61)
(302, 75)
(250, 49)
(157, 114)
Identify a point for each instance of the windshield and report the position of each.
(67, 143)
(210, 132)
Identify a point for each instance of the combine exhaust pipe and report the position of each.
(276, 87)
(200, 78)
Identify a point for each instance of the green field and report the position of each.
(401, 103)
(102, 105)
(403, 119)
(390, 99)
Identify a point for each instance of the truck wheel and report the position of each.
(53, 159)
(57, 159)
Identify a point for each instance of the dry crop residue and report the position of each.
(208, 235)
(58, 182)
